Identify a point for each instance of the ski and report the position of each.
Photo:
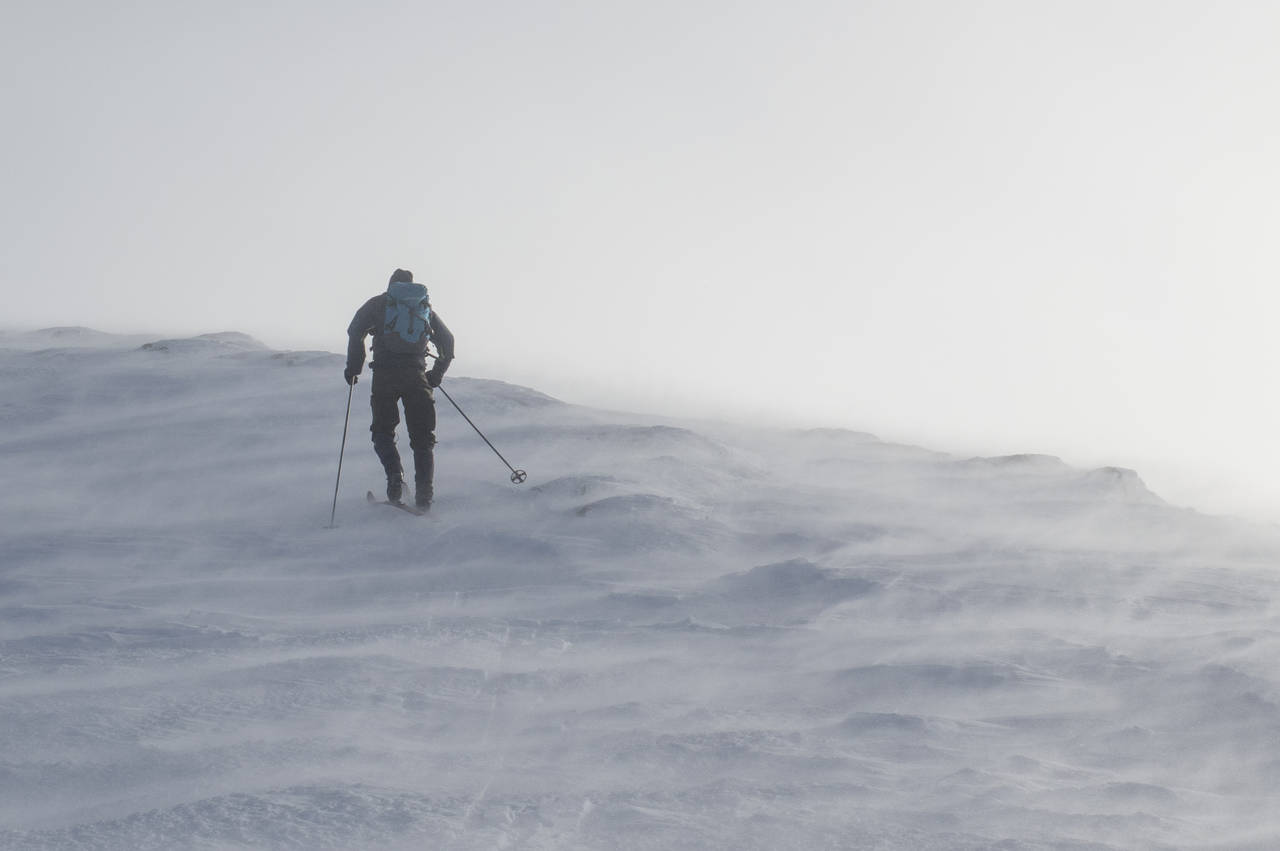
(373, 500)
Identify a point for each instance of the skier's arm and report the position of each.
(443, 338)
(362, 325)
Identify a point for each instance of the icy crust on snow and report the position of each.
(674, 635)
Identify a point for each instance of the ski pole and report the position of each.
(517, 476)
(342, 449)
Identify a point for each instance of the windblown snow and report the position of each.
(675, 635)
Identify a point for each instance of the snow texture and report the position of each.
(676, 636)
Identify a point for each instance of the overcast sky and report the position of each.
(989, 227)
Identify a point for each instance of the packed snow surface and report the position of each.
(675, 635)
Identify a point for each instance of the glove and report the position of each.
(351, 377)
(434, 378)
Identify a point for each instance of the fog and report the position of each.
(992, 227)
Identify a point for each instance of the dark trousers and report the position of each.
(408, 385)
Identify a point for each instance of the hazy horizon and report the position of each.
(985, 227)
(1162, 479)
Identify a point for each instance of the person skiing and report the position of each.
(402, 323)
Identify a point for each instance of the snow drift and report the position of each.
(674, 635)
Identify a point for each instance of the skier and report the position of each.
(402, 323)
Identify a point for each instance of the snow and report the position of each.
(675, 635)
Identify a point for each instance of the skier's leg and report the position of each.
(423, 472)
(383, 398)
(420, 418)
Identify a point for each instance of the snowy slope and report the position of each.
(673, 636)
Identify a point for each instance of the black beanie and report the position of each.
(401, 275)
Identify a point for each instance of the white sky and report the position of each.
(985, 226)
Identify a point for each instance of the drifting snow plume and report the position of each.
(675, 635)
(66, 337)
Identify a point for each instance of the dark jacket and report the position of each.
(369, 319)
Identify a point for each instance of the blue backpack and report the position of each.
(407, 326)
